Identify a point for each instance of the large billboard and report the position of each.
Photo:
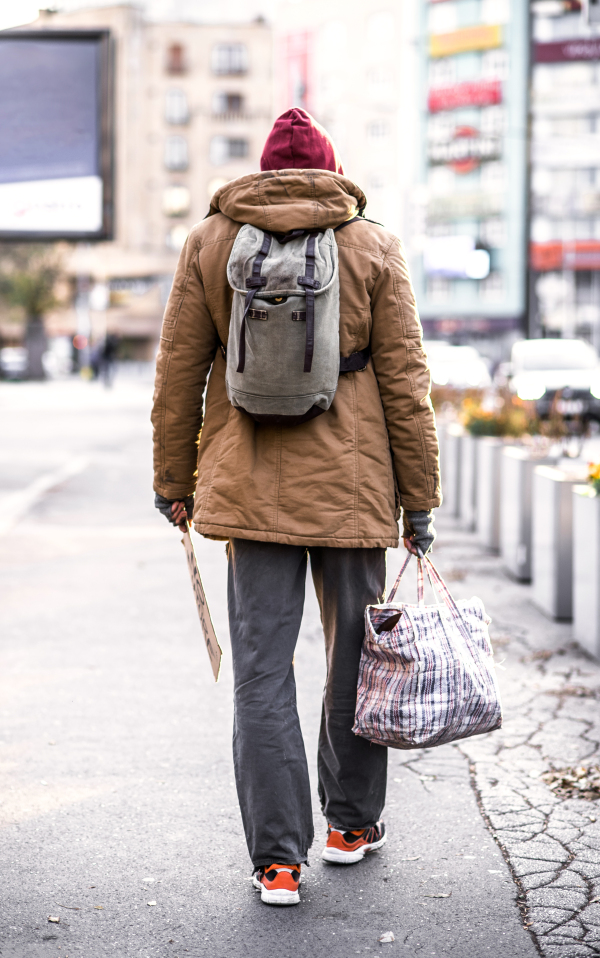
(470, 252)
(56, 156)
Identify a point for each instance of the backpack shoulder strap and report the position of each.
(253, 284)
(310, 284)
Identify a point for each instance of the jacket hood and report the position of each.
(284, 200)
(298, 142)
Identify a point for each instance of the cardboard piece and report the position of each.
(215, 652)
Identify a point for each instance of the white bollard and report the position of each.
(451, 466)
(552, 541)
(586, 568)
(489, 450)
(468, 481)
(516, 483)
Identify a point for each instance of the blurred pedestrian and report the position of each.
(96, 352)
(330, 488)
(108, 358)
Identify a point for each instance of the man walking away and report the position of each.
(330, 487)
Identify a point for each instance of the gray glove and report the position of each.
(418, 526)
(164, 506)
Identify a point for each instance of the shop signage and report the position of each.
(469, 206)
(564, 51)
(466, 150)
(471, 93)
(482, 37)
(580, 254)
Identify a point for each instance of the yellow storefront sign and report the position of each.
(482, 37)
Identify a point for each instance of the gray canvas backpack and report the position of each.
(283, 354)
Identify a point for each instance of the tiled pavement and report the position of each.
(551, 693)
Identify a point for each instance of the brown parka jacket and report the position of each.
(339, 479)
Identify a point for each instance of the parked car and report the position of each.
(459, 366)
(561, 375)
(13, 362)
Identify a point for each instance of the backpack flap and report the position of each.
(283, 349)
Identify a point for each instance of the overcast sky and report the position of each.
(200, 11)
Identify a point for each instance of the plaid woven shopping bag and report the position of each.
(426, 672)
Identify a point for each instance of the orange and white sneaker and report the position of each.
(345, 848)
(278, 884)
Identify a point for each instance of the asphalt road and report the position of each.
(118, 808)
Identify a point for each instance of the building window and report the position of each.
(176, 59)
(176, 201)
(225, 148)
(176, 153)
(227, 103)
(229, 58)
(378, 130)
(176, 107)
(492, 288)
(380, 83)
(439, 289)
(176, 237)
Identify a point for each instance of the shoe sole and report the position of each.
(338, 856)
(276, 896)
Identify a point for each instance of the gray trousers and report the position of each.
(266, 586)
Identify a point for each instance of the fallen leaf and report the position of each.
(579, 781)
(53, 919)
(444, 894)
(151, 903)
(387, 937)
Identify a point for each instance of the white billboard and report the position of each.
(56, 144)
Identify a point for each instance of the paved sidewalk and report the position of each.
(118, 810)
(551, 690)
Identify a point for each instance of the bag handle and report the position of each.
(394, 589)
(437, 583)
(420, 581)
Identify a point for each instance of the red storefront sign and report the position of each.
(471, 93)
(565, 51)
(466, 150)
(577, 255)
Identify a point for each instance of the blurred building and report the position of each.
(354, 68)
(565, 175)
(468, 237)
(192, 108)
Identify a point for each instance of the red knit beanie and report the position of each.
(298, 142)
